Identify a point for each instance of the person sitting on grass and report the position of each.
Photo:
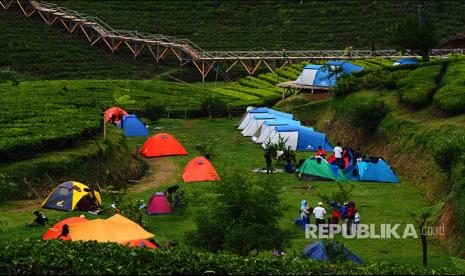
(40, 220)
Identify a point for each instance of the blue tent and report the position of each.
(281, 122)
(132, 126)
(307, 138)
(316, 251)
(318, 75)
(405, 61)
(377, 171)
(271, 111)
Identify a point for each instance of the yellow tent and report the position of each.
(115, 229)
(69, 195)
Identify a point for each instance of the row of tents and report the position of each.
(265, 125)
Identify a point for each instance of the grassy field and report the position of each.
(378, 203)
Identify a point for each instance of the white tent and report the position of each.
(260, 111)
(255, 123)
(268, 127)
(291, 137)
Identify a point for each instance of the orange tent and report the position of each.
(162, 144)
(117, 112)
(140, 243)
(55, 231)
(115, 229)
(200, 169)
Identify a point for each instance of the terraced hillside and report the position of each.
(30, 46)
(245, 25)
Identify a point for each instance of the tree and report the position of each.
(122, 100)
(423, 218)
(244, 219)
(414, 34)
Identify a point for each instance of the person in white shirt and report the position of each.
(356, 221)
(338, 155)
(319, 213)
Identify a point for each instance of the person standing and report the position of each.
(356, 221)
(304, 214)
(338, 156)
(319, 213)
(268, 160)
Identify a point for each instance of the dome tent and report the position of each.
(319, 168)
(117, 112)
(162, 144)
(158, 205)
(372, 170)
(406, 61)
(199, 169)
(316, 251)
(72, 195)
(132, 126)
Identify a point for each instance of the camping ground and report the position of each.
(378, 202)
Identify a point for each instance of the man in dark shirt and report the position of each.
(40, 220)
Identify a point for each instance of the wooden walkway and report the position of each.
(159, 46)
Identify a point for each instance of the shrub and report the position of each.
(243, 219)
(363, 112)
(451, 99)
(211, 106)
(90, 258)
(417, 89)
(345, 85)
(154, 110)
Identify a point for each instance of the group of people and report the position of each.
(346, 213)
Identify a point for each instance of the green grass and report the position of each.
(378, 203)
(451, 97)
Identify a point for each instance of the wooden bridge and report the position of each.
(184, 50)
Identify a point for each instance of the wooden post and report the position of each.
(104, 128)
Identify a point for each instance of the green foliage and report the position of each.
(341, 195)
(418, 88)
(364, 112)
(206, 150)
(154, 110)
(335, 251)
(409, 33)
(8, 188)
(212, 105)
(280, 145)
(123, 100)
(243, 219)
(451, 97)
(86, 258)
(124, 206)
(345, 85)
(179, 201)
(449, 150)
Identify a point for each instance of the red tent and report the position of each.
(55, 231)
(140, 243)
(162, 144)
(117, 112)
(199, 169)
(158, 205)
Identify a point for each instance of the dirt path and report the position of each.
(161, 170)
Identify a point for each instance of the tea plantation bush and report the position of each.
(418, 88)
(39, 116)
(451, 97)
(89, 258)
(364, 112)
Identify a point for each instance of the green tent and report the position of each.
(322, 170)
